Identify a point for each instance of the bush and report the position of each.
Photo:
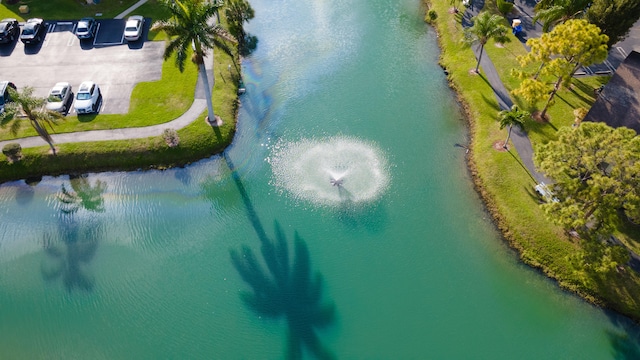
(13, 152)
(504, 6)
(171, 137)
(432, 15)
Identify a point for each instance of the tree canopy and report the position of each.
(554, 12)
(562, 52)
(614, 17)
(596, 170)
(486, 26)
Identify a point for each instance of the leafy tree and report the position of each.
(563, 51)
(485, 27)
(515, 116)
(189, 28)
(238, 12)
(556, 12)
(614, 17)
(596, 170)
(33, 108)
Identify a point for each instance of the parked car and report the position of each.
(4, 93)
(86, 28)
(133, 28)
(87, 98)
(60, 98)
(9, 30)
(33, 31)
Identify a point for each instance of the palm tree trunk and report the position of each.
(479, 57)
(207, 92)
(44, 135)
(508, 137)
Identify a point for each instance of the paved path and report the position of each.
(130, 10)
(519, 137)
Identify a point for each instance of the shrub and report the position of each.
(13, 152)
(432, 15)
(504, 6)
(171, 137)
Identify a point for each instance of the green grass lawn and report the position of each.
(152, 103)
(502, 180)
(65, 9)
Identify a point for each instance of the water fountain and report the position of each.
(330, 171)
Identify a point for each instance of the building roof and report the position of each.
(619, 101)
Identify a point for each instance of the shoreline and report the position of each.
(490, 203)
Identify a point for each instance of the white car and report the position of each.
(133, 28)
(88, 98)
(60, 97)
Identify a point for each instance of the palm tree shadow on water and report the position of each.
(287, 287)
(67, 258)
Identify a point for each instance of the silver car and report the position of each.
(60, 98)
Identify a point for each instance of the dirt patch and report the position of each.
(474, 72)
(537, 117)
(499, 146)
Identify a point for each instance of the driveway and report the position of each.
(108, 60)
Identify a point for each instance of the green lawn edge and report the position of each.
(197, 141)
(503, 182)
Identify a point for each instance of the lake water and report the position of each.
(341, 223)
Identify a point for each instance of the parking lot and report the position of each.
(107, 59)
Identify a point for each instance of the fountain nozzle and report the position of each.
(336, 182)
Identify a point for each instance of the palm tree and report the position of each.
(485, 27)
(189, 28)
(515, 116)
(24, 105)
(554, 12)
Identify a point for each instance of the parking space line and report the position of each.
(622, 51)
(606, 62)
(72, 39)
(96, 34)
(102, 96)
(50, 28)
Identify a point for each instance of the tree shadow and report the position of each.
(67, 258)
(66, 262)
(287, 288)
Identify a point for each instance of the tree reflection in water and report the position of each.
(79, 240)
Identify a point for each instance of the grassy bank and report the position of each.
(505, 184)
(65, 10)
(197, 141)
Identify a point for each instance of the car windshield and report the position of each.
(1, 100)
(28, 30)
(83, 96)
(131, 28)
(83, 28)
(3, 26)
(55, 98)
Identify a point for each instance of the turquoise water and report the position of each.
(415, 271)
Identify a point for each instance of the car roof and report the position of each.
(4, 84)
(85, 86)
(8, 20)
(34, 20)
(59, 86)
